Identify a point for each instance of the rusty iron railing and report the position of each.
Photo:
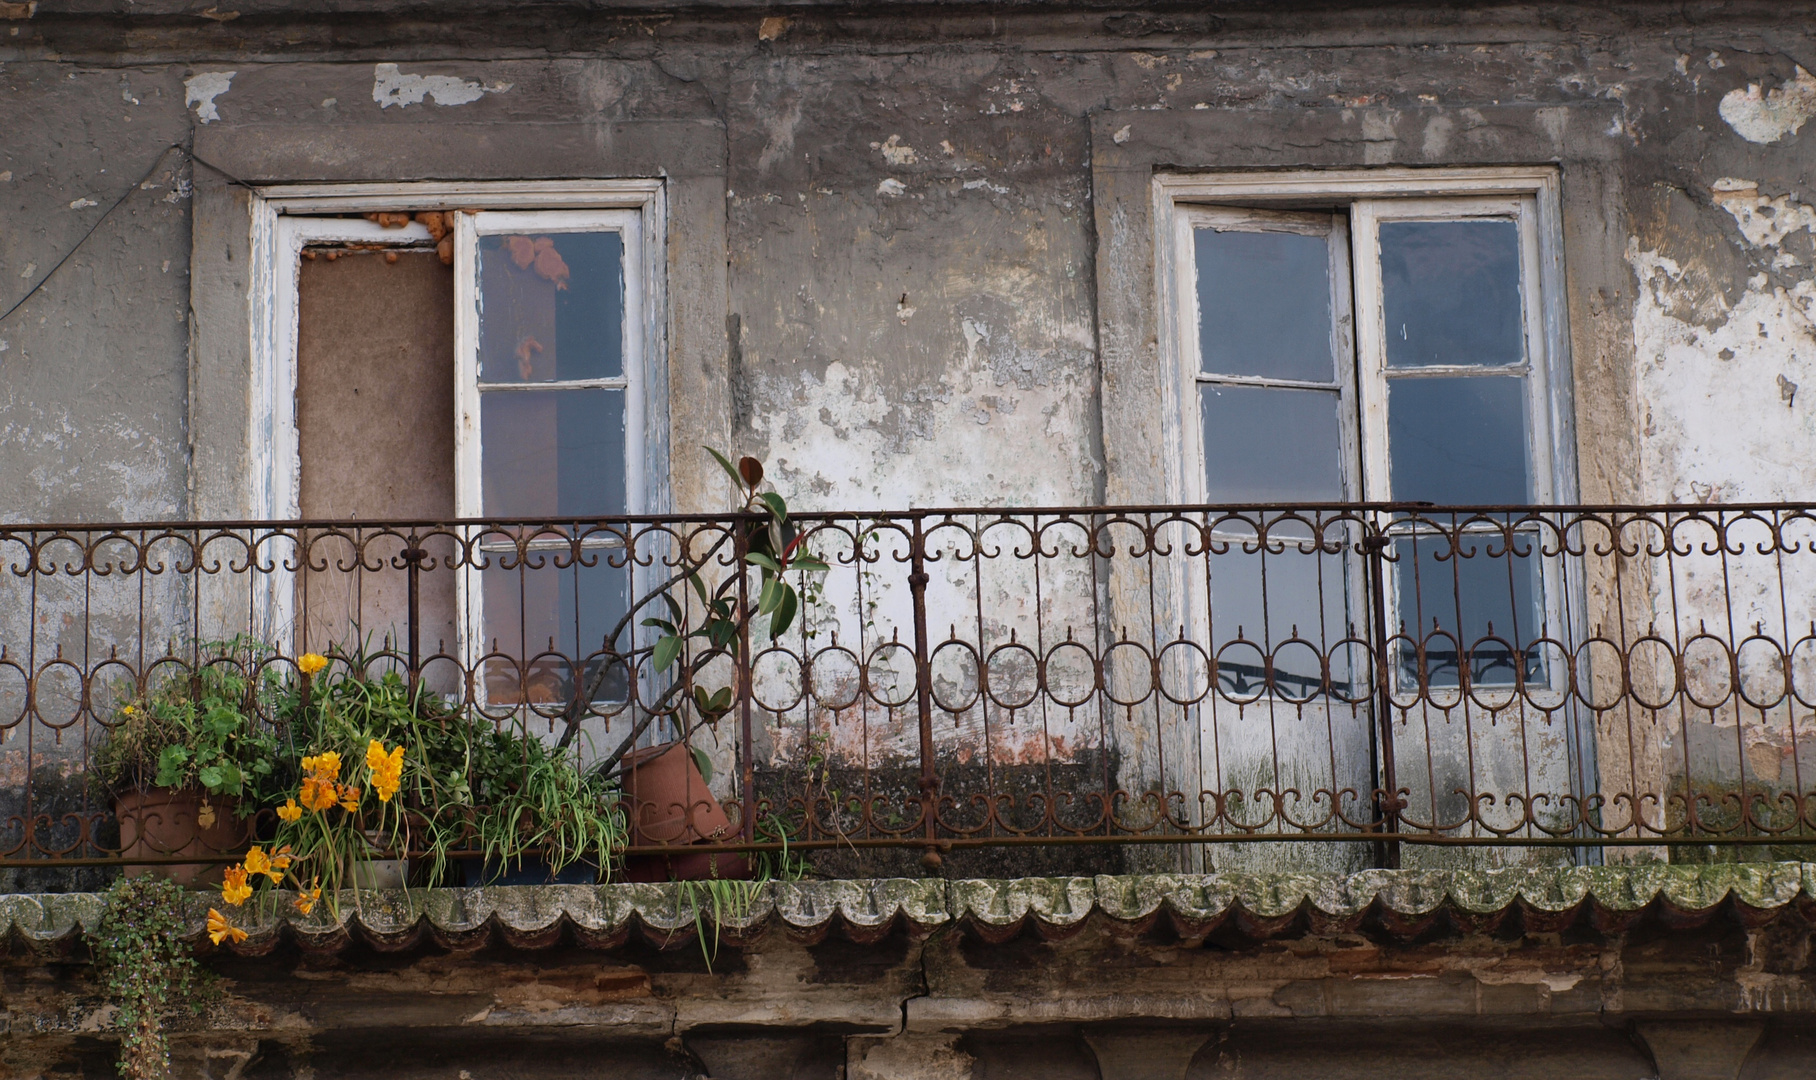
(1234, 682)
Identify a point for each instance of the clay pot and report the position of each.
(159, 822)
(670, 802)
(672, 806)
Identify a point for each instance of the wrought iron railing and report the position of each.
(1381, 680)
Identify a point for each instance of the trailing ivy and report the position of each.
(149, 973)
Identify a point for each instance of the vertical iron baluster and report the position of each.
(1387, 802)
(413, 556)
(923, 693)
(746, 690)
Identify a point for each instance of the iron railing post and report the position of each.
(1387, 797)
(742, 673)
(923, 688)
(413, 556)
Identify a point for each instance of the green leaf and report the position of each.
(770, 596)
(776, 506)
(661, 624)
(673, 608)
(720, 701)
(809, 564)
(724, 463)
(785, 612)
(757, 558)
(705, 763)
(699, 589)
(666, 650)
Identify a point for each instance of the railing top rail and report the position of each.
(923, 513)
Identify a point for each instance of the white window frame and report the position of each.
(1527, 193)
(286, 218)
(468, 451)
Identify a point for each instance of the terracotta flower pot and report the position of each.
(160, 822)
(671, 805)
(670, 802)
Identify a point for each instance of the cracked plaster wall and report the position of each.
(912, 316)
(910, 223)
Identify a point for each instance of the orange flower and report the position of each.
(257, 862)
(349, 798)
(289, 811)
(318, 794)
(311, 663)
(280, 862)
(324, 766)
(387, 769)
(219, 929)
(306, 898)
(234, 889)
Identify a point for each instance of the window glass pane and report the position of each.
(1263, 444)
(1451, 292)
(551, 307)
(1482, 604)
(1267, 598)
(552, 453)
(547, 618)
(1264, 304)
(1458, 440)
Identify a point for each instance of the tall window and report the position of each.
(549, 429)
(1385, 348)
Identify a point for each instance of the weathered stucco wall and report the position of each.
(912, 310)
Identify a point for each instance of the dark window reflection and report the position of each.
(1480, 606)
(1451, 292)
(1264, 305)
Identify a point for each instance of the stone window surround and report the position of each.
(1137, 156)
(287, 218)
(463, 165)
(1437, 191)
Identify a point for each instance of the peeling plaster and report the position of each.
(392, 87)
(201, 89)
(1768, 116)
(895, 152)
(1718, 379)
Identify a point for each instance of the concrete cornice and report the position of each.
(1401, 903)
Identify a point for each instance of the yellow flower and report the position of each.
(349, 798)
(280, 862)
(310, 663)
(219, 929)
(129, 711)
(234, 889)
(289, 811)
(324, 766)
(317, 795)
(257, 862)
(306, 898)
(387, 769)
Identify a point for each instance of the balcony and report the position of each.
(968, 692)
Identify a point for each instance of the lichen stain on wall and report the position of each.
(1725, 381)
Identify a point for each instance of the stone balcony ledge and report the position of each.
(1401, 903)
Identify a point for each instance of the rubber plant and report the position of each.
(711, 623)
(148, 970)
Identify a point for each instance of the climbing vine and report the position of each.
(147, 969)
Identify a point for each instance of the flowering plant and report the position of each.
(201, 732)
